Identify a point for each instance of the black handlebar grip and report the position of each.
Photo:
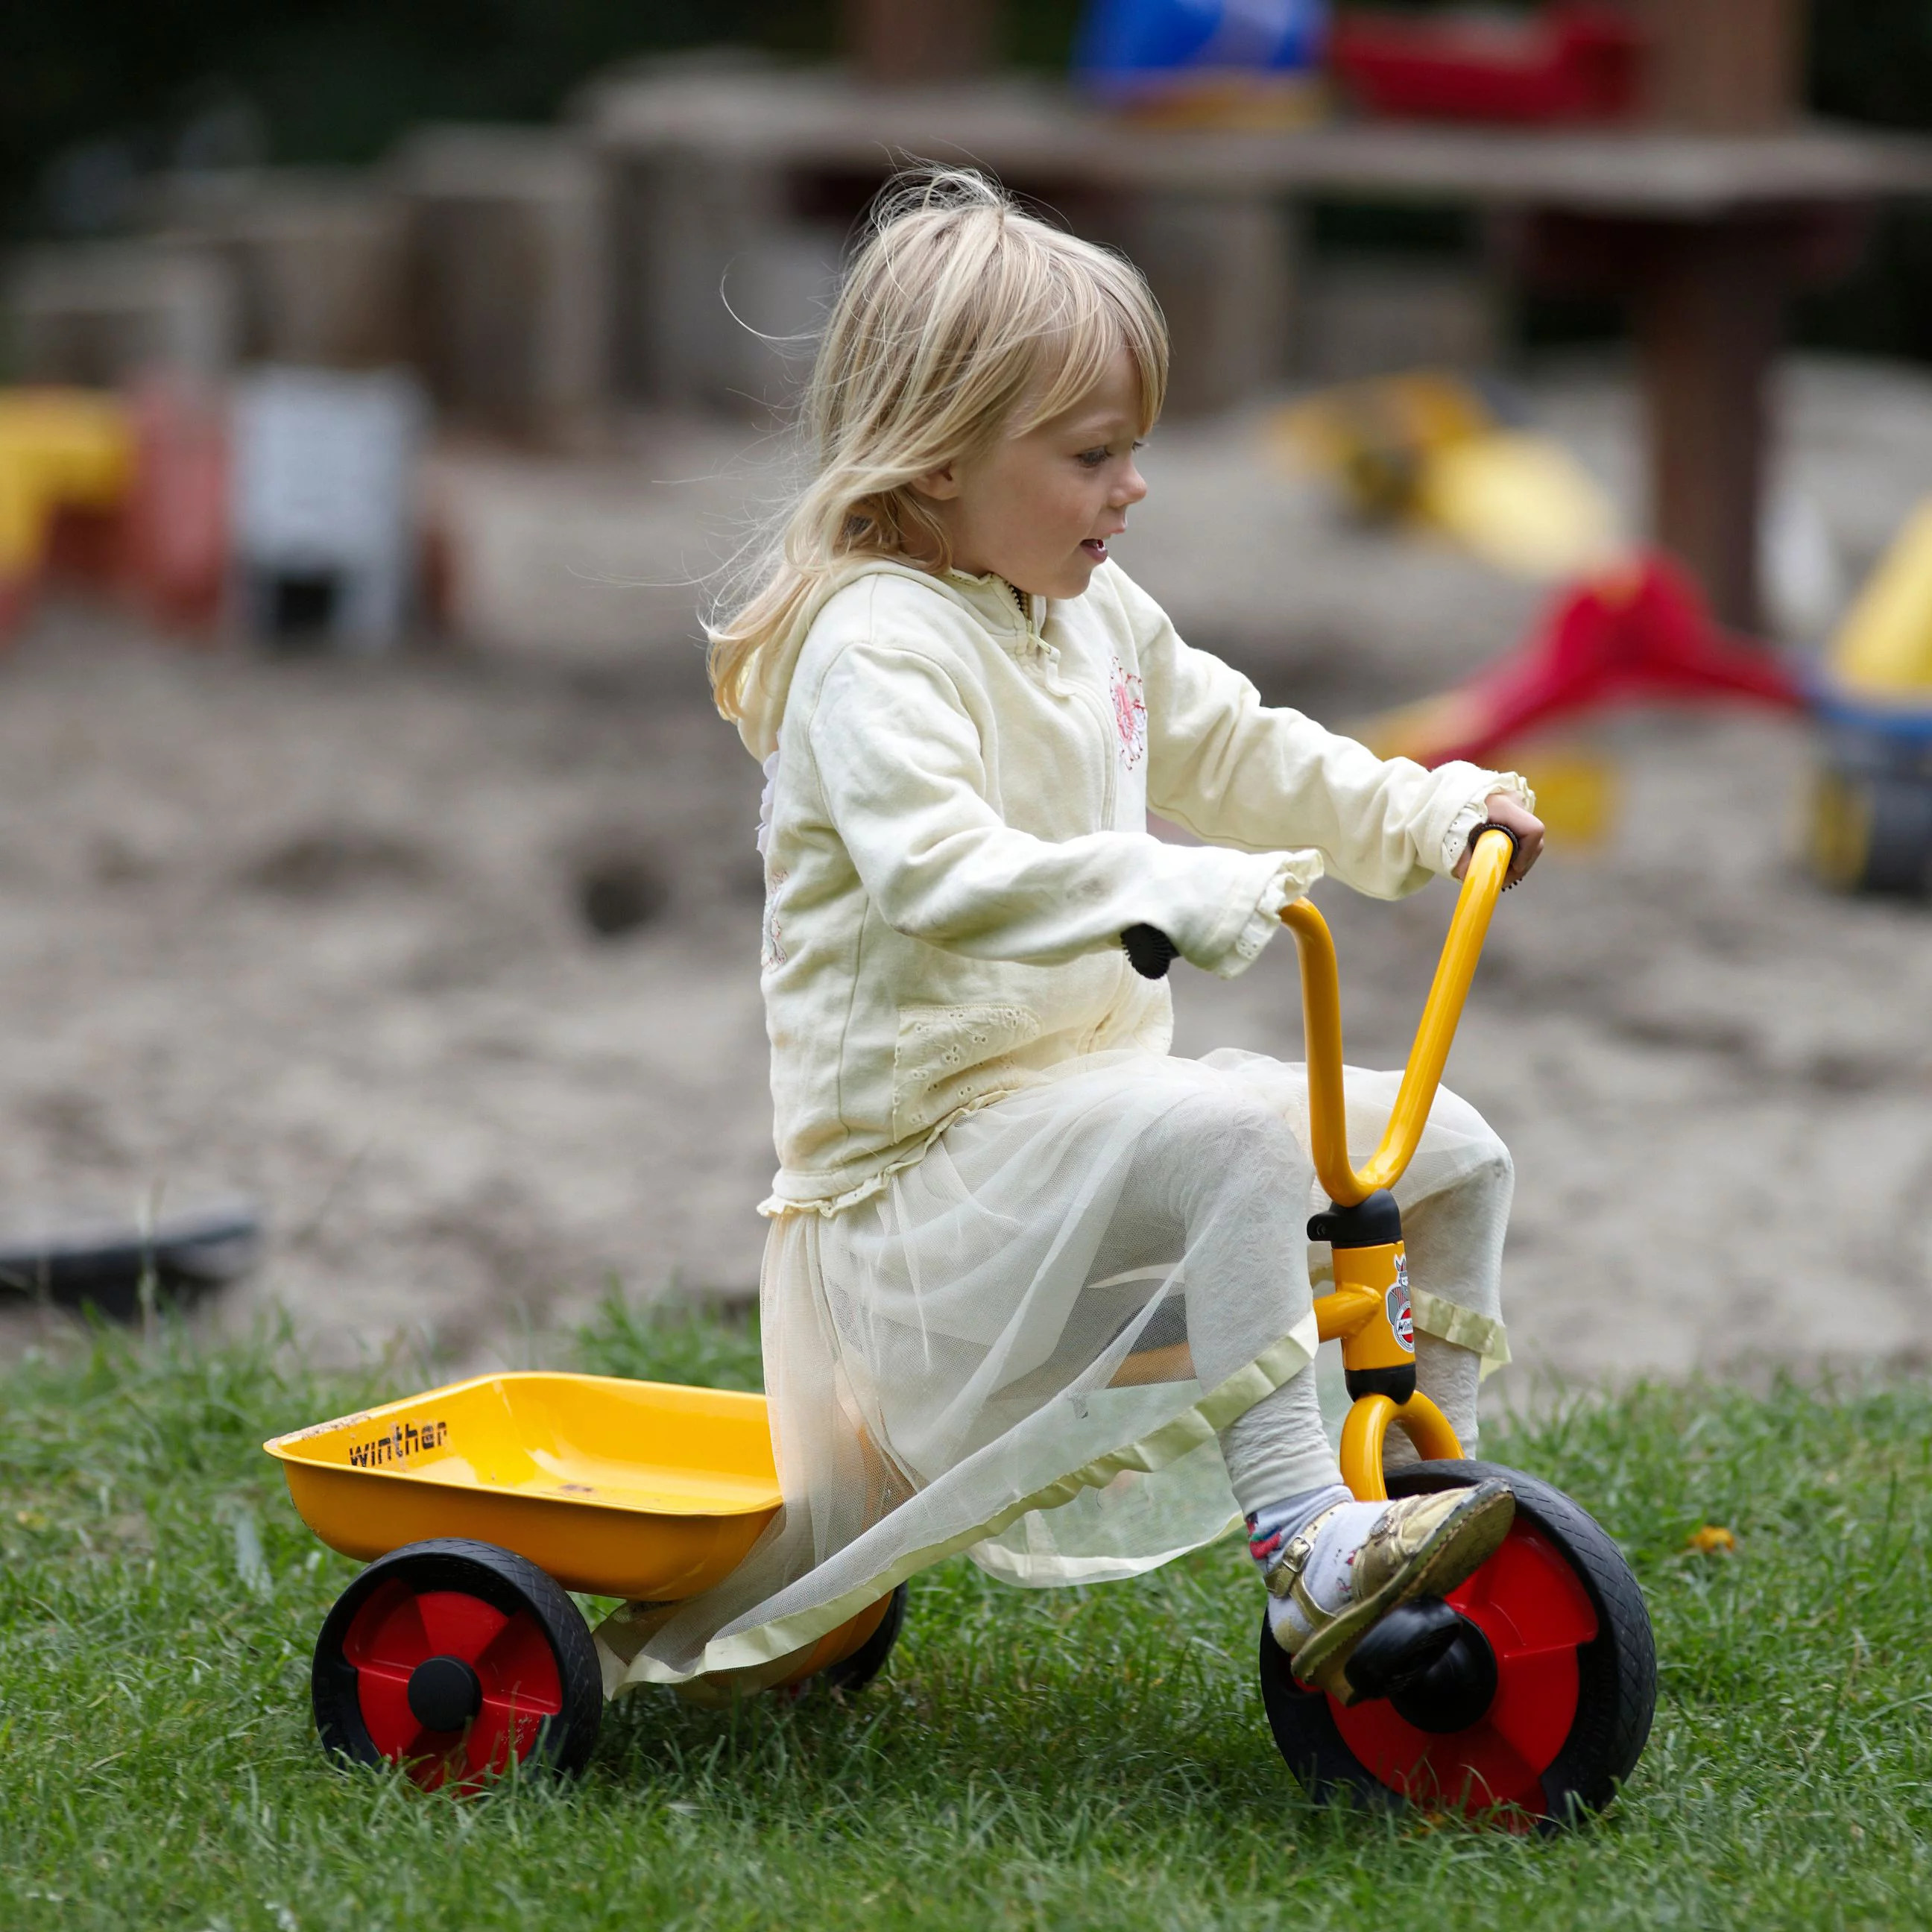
(1149, 951)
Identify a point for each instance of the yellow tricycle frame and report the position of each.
(1368, 1313)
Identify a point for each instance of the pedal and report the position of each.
(1402, 1647)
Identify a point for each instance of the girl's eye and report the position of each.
(1092, 459)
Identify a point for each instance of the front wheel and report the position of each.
(1540, 1706)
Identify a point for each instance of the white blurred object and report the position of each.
(1805, 585)
(324, 505)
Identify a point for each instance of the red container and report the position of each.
(174, 557)
(1569, 62)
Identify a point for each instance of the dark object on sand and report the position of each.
(1871, 796)
(619, 890)
(104, 1266)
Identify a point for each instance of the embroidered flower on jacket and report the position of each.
(1129, 714)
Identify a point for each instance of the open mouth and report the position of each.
(1095, 547)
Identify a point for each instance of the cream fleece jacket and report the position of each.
(958, 836)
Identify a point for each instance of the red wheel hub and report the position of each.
(1527, 1602)
(399, 1629)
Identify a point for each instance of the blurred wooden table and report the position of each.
(1703, 235)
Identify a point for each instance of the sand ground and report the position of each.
(315, 931)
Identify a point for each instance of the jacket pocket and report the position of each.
(946, 1058)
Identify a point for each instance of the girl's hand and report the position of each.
(1506, 810)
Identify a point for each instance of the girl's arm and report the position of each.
(1240, 773)
(899, 765)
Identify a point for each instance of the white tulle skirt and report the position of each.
(1023, 1346)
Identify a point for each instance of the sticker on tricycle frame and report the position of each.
(1401, 1316)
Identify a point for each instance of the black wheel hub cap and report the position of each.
(1456, 1691)
(444, 1694)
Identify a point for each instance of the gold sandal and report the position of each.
(1420, 1547)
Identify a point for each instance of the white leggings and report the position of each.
(1222, 1179)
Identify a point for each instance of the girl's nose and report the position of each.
(1132, 488)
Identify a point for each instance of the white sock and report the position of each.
(1328, 1572)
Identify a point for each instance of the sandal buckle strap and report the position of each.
(1284, 1572)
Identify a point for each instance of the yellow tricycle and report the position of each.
(480, 1506)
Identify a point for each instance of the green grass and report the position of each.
(1081, 1758)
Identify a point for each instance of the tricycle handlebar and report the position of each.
(1489, 862)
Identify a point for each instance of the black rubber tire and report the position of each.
(854, 1672)
(1872, 826)
(500, 1578)
(1617, 1669)
(1898, 854)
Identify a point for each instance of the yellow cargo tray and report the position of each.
(618, 1488)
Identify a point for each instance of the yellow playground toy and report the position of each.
(1528, 1690)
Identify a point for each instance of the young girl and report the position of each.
(1034, 1288)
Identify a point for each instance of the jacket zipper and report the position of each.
(1109, 785)
(1109, 774)
(1109, 758)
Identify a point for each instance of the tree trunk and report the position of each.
(1724, 67)
(901, 41)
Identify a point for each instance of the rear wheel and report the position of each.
(856, 1672)
(1542, 1703)
(456, 1659)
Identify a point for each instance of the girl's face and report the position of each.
(1039, 509)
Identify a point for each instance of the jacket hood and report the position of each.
(990, 599)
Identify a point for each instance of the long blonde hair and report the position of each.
(960, 319)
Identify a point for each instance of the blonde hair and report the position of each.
(961, 320)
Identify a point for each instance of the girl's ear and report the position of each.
(942, 485)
